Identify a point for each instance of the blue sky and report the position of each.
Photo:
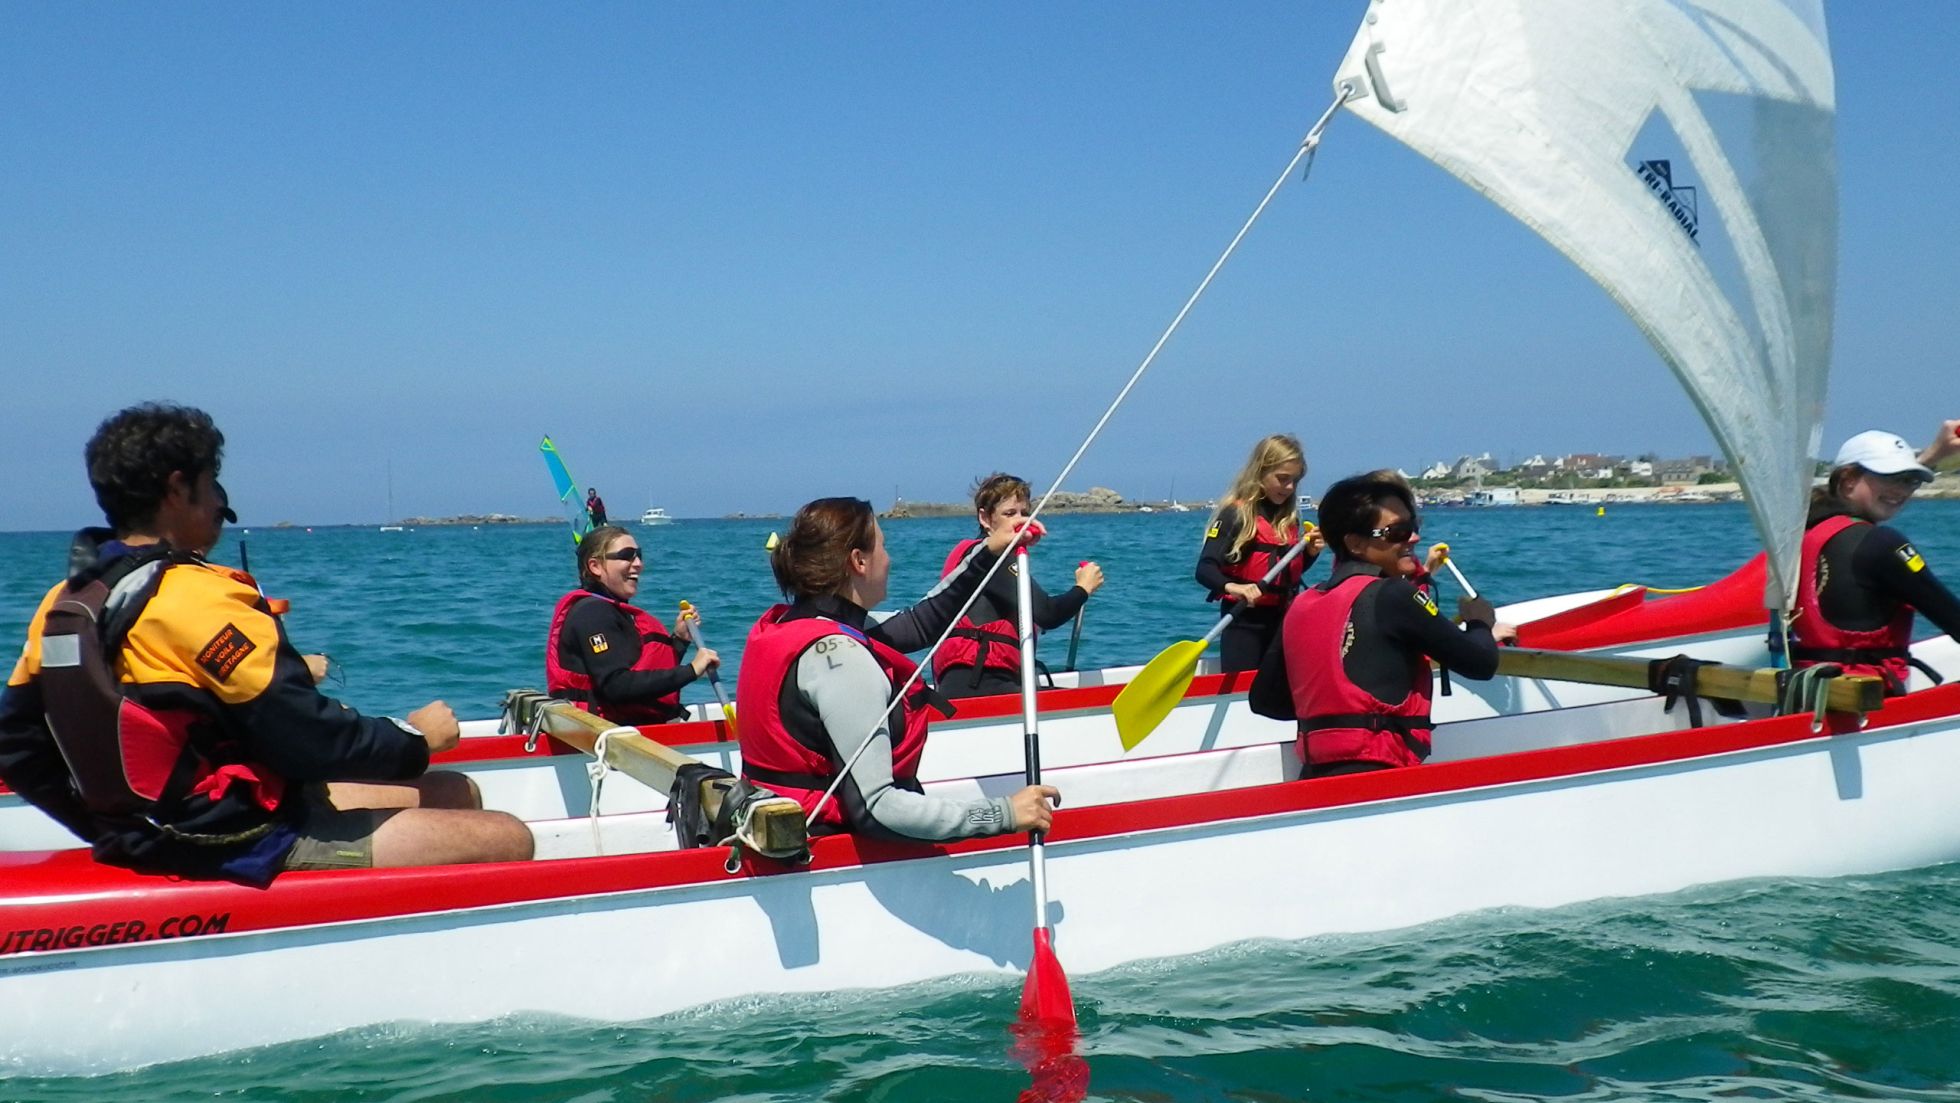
(733, 257)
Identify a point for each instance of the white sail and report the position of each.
(1681, 152)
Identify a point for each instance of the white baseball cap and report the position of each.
(1882, 453)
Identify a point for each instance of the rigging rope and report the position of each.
(1343, 91)
(596, 771)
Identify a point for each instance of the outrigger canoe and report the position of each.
(1521, 805)
(1562, 780)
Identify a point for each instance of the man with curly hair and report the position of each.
(159, 711)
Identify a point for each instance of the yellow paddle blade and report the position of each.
(728, 714)
(1155, 691)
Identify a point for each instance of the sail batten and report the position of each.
(1680, 153)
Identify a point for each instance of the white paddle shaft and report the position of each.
(1031, 726)
(1468, 590)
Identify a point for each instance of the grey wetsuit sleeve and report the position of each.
(849, 693)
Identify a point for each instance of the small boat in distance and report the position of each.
(655, 516)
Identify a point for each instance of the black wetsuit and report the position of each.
(1243, 643)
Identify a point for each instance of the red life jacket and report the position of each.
(989, 645)
(656, 653)
(1339, 720)
(1260, 553)
(1874, 652)
(801, 764)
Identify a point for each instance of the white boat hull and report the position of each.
(1226, 854)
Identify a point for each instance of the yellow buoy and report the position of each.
(1601, 513)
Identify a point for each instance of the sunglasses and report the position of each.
(1401, 532)
(623, 555)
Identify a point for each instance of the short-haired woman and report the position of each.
(819, 677)
(983, 655)
(609, 655)
(1352, 665)
(1257, 520)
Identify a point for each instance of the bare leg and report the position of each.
(446, 836)
(441, 789)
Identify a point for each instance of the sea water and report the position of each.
(1773, 989)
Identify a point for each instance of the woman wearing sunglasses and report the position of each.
(1257, 521)
(1861, 579)
(607, 654)
(1352, 662)
(819, 679)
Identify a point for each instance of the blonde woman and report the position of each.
(1258, 519)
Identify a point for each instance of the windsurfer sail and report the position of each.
(567, 487)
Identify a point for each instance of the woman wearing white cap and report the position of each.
(1863, 580)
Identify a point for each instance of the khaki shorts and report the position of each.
(332, 839)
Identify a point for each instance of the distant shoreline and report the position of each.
(1103, 500)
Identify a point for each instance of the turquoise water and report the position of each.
(1800, 990)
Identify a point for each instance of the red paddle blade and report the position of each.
(1045, 998)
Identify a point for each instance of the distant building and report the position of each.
(1588, 465)
(1437, 470)
(1684, 472)
(1473, 467)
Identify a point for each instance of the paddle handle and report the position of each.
(1468, 590)
(1075, 637)
(1292, 553)
(714, 674)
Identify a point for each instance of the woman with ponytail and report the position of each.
(819, 679)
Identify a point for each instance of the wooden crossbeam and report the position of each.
(1857, 695)
(776, 827)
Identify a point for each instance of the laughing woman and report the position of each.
(819, 677)
(610, 656)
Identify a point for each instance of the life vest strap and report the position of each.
(981, 635)
(1368, 721)
(787, 778)
(1863, 656)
